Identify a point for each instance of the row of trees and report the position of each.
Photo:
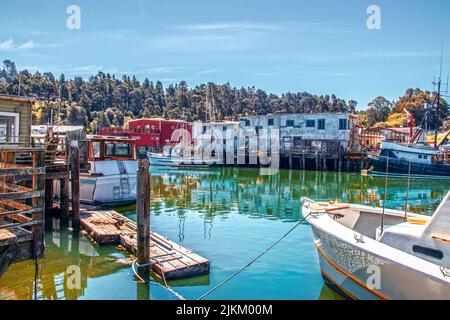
(103, 100)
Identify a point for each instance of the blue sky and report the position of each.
(322, 47)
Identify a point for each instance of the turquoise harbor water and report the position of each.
(228, 216)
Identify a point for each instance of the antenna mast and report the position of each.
(438, 97)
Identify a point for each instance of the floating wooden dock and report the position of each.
(167, 259)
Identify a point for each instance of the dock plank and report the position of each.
(168, 259)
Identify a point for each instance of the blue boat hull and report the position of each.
(401, 167)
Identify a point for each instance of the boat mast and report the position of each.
(438, 97)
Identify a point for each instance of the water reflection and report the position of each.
(217, 193)
(225, 215)
(70, 261)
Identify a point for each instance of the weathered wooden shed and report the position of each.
(15, 118)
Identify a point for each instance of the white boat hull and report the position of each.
(109, 183)
(160, 160)
(369, 269)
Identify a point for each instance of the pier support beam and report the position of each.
(75, 183)
(64, 198)
(38, 182)
(49, 194)
(143, 214)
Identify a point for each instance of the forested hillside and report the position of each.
(104, 100)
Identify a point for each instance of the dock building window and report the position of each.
(310, 123)
(270, 122)
(289, 123)
(321, 124)
(9, 127)
(342, 124)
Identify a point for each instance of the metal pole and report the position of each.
(407, 190)
(385, 192)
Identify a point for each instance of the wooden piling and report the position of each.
(143, 214)
(48, 194)
(64, 198)
(75, 184)
(38, 183)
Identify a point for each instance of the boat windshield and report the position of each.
(118, 149)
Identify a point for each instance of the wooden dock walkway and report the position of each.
(167, 259)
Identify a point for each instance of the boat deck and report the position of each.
(167, 259)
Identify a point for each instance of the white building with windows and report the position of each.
(216, 136)
(303, 130)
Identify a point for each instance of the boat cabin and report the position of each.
(110, 148)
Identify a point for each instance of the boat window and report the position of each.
(96, 149)
(420, 156)
(118, 150)
(437, 254)
(425, 157)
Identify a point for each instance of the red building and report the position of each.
(151, 134)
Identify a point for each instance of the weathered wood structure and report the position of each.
(167, 259)
(22, 174)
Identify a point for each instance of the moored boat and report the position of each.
(111, 176)
(375, 253)
(173, 157)
(415, 160)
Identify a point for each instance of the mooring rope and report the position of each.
(254, 259)
(179, 296)
(166, 286)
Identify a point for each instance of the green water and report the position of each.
(227, 216)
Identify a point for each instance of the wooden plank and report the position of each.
(15, 205)
(21, 195)
(14, 188)
(22, 224)
(27, 171)
(15, 212)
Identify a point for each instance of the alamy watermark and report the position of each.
(374, 280)
(374, 19)
(230, 146)
(73, 281)
(73, 21)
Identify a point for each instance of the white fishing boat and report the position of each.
(111, 176)
(174, 157)
(376, 253)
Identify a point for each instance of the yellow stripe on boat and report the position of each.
(421, 221)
